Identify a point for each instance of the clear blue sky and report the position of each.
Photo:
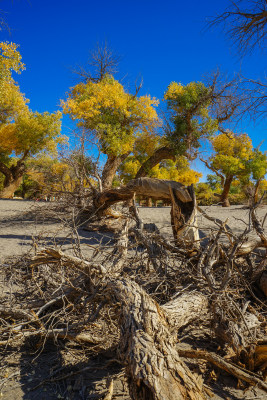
(160, 41)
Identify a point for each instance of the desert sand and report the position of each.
(22, 226)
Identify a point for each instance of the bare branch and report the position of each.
(245, 24)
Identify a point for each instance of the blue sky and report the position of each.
(160, 41)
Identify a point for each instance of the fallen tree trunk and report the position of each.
(186, 308)
(184, 207)
(147, 187)
(148, 349)
(148, 346)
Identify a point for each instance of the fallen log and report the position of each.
(183, 200)
(148, 349)
(184, 309)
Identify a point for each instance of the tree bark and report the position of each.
(13, 178)
(110, 169)
(186, 308)
(147, 187)
(226, 189)
(256, 193)
(148, 349)
(164, 153)
(184, 217)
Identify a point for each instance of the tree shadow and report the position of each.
(53, 374)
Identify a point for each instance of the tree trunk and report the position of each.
(256, 193)
(149, 202)
(159, 189)
(145, 187)
(148, 349)
(13, 179)
(110, 169)
(186, 308)
(165, 153)
(226, 189)
(9, 190)
(184, 217)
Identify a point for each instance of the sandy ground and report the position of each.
(20, 227)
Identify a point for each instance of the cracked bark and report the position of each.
(148, 348)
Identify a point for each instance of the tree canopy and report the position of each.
(23, 133)
(190, 117)
(113, 115)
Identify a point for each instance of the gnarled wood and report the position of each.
(110, 168)
(184, 208)
(186, 308)
(148, 349)
(183, 216)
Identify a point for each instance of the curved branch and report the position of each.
(164, 153)
(213, 170)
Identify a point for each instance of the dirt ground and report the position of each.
(22, 228)
(22, 225)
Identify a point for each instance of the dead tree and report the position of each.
(183, 210)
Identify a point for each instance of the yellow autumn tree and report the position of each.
(114, 116)
(51, 174)
(23, 133)
(188, 121)
(12, 101)
(230, 160)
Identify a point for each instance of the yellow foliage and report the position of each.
(178, 171)
(145, 145)
(31, 133)
(10, 59)
(229, 144)
(263, 185)
(12, 101)
(174, 89)
(171, 171)
(8, 139)
(231, 153)
(116, 116)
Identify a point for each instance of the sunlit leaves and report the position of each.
(115, 116)
(10, 60)
(189, 115)
(178, 170)
(258, 165)
(12, 101)
(232, 153)
(31, 133)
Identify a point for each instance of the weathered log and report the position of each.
(184, 216)
(184, 207)
(148, 349)
(186, 308)
(147, 187)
